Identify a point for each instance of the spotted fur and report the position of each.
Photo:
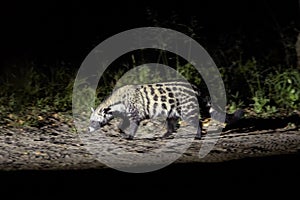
(134, 103)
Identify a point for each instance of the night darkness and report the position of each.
(51, 32)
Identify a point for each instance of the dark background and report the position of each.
(52, 31)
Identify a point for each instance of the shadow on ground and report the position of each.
(256, 124)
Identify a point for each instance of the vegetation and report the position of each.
(30, 95)
(265, 91)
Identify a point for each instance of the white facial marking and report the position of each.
(91, 129)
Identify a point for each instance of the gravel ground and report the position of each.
(55, 160)
(60, 148)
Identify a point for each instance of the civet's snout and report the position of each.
(94, 125)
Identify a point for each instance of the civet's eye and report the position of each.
(105, 110)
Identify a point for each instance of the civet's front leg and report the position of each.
(171, 126)
(134, 122)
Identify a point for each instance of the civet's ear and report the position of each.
(92, 109)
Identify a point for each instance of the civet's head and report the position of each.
(99, 118)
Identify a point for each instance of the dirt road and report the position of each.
(60, 148)
(50, 159)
